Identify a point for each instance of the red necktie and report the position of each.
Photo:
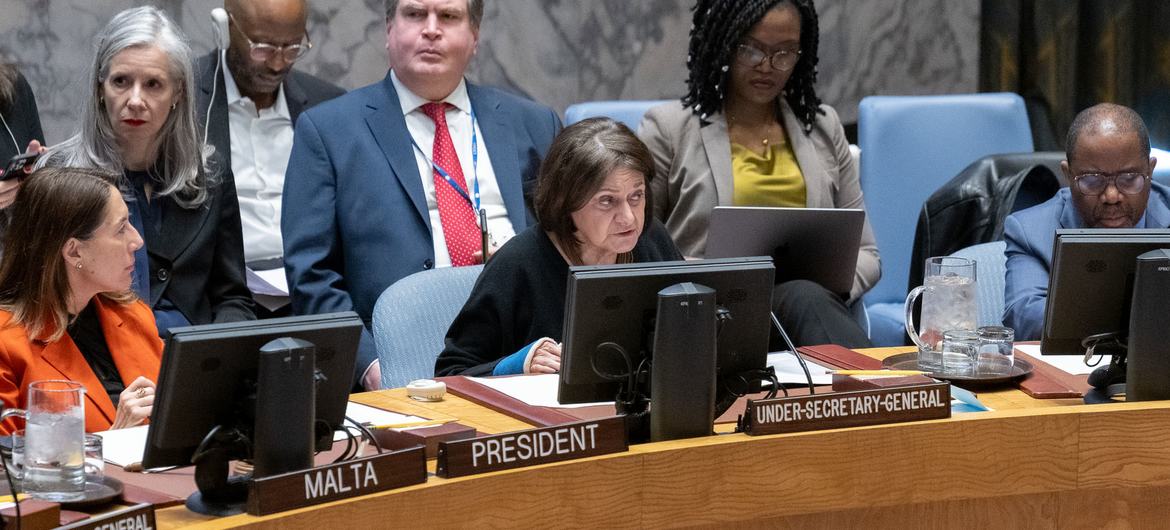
(455, 211)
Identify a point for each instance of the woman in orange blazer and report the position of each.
(66, 307)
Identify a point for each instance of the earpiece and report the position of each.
(219, 21)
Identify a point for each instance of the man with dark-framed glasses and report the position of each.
(1109, 168)
(254, 96)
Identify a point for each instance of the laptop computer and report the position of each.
(817, 244)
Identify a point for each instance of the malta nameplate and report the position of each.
(532, 447)
(337, 481)
(847, 409)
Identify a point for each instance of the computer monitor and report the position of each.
(213, 377)
(618, 304)
(1091, 283)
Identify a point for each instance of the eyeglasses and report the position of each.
(262, 51)
(782, 60)
(1095, 183)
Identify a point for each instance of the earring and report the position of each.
(173, 105)
(79, 265)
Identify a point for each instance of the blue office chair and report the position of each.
(627, 112)
(911, 145)
(990, 271)
(411, 318)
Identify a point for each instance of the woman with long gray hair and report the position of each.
(138, 119)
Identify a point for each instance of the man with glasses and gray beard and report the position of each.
(257, 99)
(1108, 167)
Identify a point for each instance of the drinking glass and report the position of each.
(960, 348)
(996, 350)
(95, 465)
(54, 438)
(15, 464)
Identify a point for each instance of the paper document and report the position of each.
(536, 390)
(788, 369)
(1073, 364)
(123, 447)
(373, 415)
(270, 282)
(965, 401)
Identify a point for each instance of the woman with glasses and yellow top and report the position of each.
(752, 132)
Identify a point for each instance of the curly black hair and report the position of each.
(718, 27)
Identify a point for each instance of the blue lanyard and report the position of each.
(474, 168)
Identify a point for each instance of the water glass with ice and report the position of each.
(960, 348)
(948, 303)
(54, 440)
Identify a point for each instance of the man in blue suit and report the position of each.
(368, 196)
(1109, 167)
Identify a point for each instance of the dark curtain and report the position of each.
(1066, 55)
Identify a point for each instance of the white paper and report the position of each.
(123, 447)
(375, 416)
(538, 390)
(788, 369)
(1073, 364)
(270, 282)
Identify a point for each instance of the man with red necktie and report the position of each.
(390, 179)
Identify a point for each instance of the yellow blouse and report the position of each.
(773, 179)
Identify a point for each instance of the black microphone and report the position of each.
(792, 348)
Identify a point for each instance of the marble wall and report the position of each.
(555, 51)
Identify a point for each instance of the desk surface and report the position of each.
(1030, 463)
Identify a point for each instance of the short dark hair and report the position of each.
(580, 159)
(474, 11)
(1090, 119)
(53, 205)
(718, 27)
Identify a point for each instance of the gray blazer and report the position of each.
(693, 175)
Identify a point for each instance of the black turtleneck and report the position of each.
(86, 332)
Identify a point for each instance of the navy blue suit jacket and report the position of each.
(1029, 235)
(355, 216)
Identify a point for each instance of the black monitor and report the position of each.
(216, 379)
(617, 306)
(1091, 283)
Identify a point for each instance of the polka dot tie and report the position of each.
(455, 212)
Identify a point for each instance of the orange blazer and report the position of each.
(130, 334)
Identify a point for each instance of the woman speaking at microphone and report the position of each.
(591, 200)
(66, 307)
(138, 120)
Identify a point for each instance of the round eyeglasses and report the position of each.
(262, 51)
(783, 60)
(1096, 183)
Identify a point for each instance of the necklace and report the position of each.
(764, 137)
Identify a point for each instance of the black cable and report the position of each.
(792, 348)
(349, 447)
(5, 459)
(366, 431)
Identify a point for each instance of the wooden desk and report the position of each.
(1028, 464)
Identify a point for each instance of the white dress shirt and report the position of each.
(260, 143)
(459, 125)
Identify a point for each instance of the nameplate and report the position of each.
(532, 447)
(137, 517)
(847, 409)
(337, 481)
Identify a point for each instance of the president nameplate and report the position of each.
(337, 481)
(532, 447)
(847, 409)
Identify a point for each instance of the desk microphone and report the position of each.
(792, 348)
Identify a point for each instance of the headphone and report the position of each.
(219, 26)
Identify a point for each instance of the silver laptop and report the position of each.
(817, 244)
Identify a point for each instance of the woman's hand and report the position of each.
(8, 188)
(545, 357)
(135, 404)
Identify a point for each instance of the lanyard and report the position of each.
(475, 205)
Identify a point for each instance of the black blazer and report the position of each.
(301, 91)
(198, 262)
